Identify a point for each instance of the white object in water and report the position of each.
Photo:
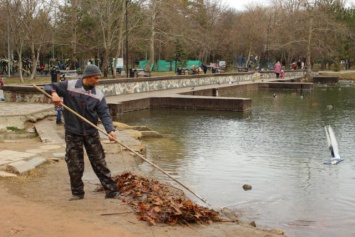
(333, 146)
(330, 107)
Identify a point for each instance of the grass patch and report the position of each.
(342, 76)
(11, 81)
(12, 128)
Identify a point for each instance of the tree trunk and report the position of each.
(19, 64)
(152, 36)
(120, 41)
(33, 63)
(74, 35)
(105, 63)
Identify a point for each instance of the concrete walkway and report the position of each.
(171, 92)
(15, 115)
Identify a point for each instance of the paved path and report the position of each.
(11, 109)
(168, 92)
(44, 130)
(16, 115)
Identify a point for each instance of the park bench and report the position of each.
(141, 72)
(221, 70)
(218, 69)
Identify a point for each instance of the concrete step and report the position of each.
(22, 166)
(46, 130)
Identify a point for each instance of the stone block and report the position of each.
(43, 127)
(20, 167)
(36, 161)
(5, 174)
(59, 155)
(8, 156)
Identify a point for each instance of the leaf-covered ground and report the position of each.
(157, 203)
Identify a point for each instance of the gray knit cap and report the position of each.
(91, 70)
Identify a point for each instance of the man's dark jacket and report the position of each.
(89, 104)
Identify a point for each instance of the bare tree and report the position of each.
(110, 23)
(153, 12)
(119, 42)
(16, 30)
(69, 34)
(253, 26)
(165, 29)
(37, 22)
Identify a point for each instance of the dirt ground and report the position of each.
(36, 204)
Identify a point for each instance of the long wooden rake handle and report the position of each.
(122, 144)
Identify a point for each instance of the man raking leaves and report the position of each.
(85, 99)
(81, 119)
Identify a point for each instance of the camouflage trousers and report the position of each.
(74, 158)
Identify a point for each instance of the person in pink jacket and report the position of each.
(277, 69)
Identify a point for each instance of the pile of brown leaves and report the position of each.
(156, 203)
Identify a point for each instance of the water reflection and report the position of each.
(279, 148)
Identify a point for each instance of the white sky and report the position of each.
(240, 5)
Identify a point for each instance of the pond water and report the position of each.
(279, 148)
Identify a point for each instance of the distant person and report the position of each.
(193, 70)
(277, 69)
(83, 97)
(299, 64)
(53, 73)
(59, 109)
(241, 61)
(250, 64)
(179, 71)
(204, 68)
(282, 74)
(1, 91)
(294, 65)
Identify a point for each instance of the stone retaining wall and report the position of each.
(112, 87)
(325, 79)
(128, 86)
(182, 102)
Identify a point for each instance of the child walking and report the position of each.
(282, 74)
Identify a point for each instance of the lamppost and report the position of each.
(267, 47)
(269, 27)
(308, 56)
(126, 16)
(53, 35)
(177, 54)
(310, 6)
(8, 47)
